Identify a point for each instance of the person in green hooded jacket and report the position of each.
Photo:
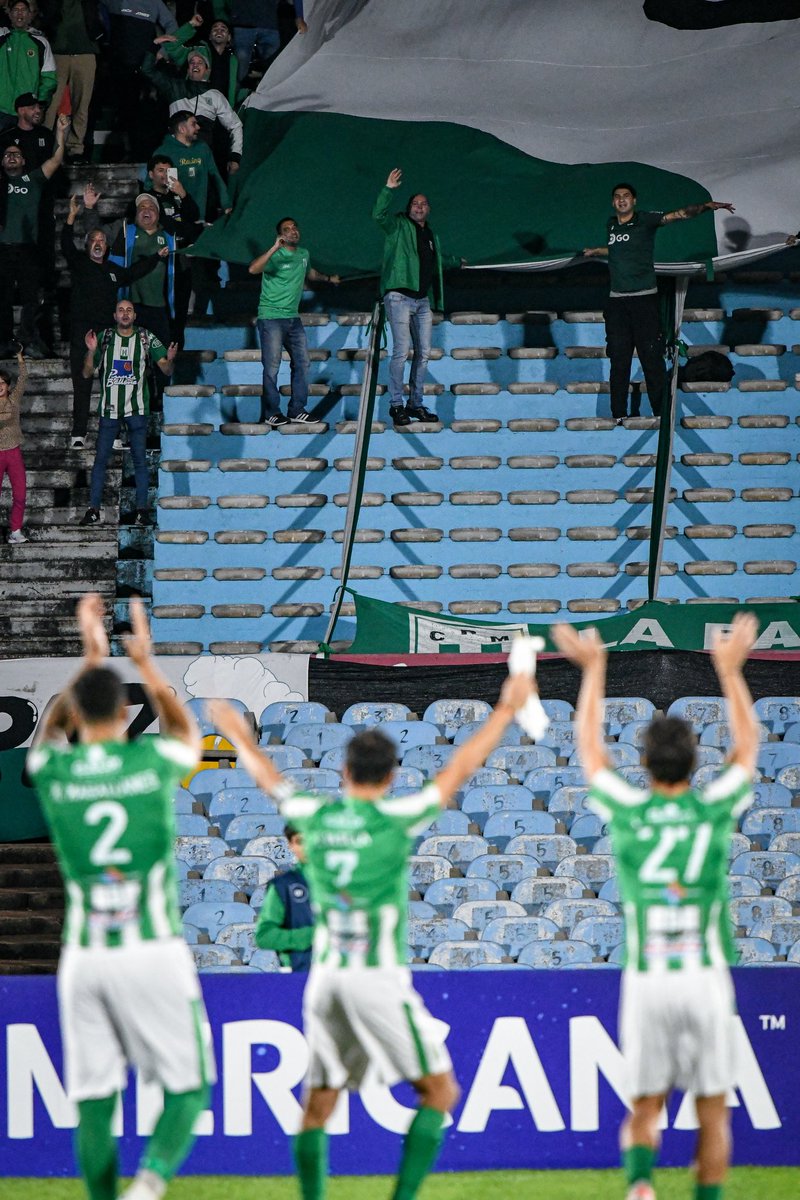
(411, 286)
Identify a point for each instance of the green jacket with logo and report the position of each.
(400, 258)
(26, 65)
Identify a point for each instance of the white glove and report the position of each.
(522, 658)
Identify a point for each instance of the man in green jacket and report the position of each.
(26, 63)
(286, 922)
(411, 283)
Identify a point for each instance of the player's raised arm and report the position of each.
(729, 653)
(517, 689)
(232, 725)
(174, 718)
(587, 651)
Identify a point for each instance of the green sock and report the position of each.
(310, 1149)
(420, 1151)
(97, 1147)
(173, 1136)
(708, 1191)
(638, 1162)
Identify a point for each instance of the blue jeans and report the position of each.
(273, 335)
(265, 42)
(137, 439)
(411, 322)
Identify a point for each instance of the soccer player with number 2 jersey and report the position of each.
(360, 1009)
(127, 987)
(671, 843)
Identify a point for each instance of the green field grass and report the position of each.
(745, 1183)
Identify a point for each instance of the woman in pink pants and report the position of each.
(11, 460)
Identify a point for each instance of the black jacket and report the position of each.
(95, 285)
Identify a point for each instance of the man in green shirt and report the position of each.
(360, 1010)
(672, 843)
(633, 321)
(284, 269)
(127, 986)
(122, 356)
(285, 922)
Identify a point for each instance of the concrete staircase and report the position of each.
(31, 909)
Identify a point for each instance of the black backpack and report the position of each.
(710, 367)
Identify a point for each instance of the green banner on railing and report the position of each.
(384, 628)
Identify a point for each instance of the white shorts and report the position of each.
(677, 1030)
(369, 1017)
(139, 1005)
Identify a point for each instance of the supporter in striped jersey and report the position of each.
(127, 986)
(122, 356)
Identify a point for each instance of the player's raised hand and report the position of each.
(731, 650)
(395, 176)
(230, 722)
(517, 690)
(90, 613)
(138, 644)
(585, 649)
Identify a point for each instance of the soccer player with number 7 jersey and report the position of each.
(671, 844)
(128, 991)
(360, 1010)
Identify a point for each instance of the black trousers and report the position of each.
(633, 322)
(81, 388)
(19, 264)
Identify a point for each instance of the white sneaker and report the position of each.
(641, 1191)
(77, 443)
(118, 444)
(145, 1185)
(16, 537)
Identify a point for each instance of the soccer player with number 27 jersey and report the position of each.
(360, 1010)
(671, 844)
(127, 987)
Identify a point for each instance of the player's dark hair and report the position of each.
(370, 757)
(98, 693)
(283, 221)
(177, 119)
(4, 375)
(628, 187)
(159, 158)
(290, 831)
(670, 750)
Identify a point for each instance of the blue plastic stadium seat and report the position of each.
(633, 733)
(367, 713)
(568, 802)
(408, 777)
(459, 956)
(234, 968)
(620, 754)
(741, 887)
(458, 849)
(211, 918)
(284, 758)
(239, 936)
(332, 760)
(546, 848)
(560, 736)
(446, 894)
(754, 950)
(191, 934)
(791, 733)
(638, 777)
(610, 890)
(490, 777)
(199, 851)
(593, 869)
(293, 712)
(794, 953)
(244, 828)
(450, 715)
(556, 953)
(771, 795)
(760, 825)
(535, 892)
(617, 955)
(212, 739)
(423, 869)
(585, 829)
(316, 738)
(505, 869)
(449, 822)
(476, 914)
(718, 733)
(785, 933)
(698, 710)
(777, 712)
(603, 845)
(423, 935)
(265, 960)
(270, 846)
(602, 933)
(739, 844)
(213, 956)
(519, 760)
(544, 781)
(785, 843)
(512, 734)
(246, 873)
(234, 802)
(182, 869)
(619, 711)
(191, 824)
(421, 910)
(194, 891)
(428, 759)
(183, 802)
(568, 913)
(558, 710)
(772, 756)
(479, 802)
(710, 756)
(207, 783)
(502, 826)
(512, 933)
(771, 868)
(789, 777)
(406, 734)
(313, 779)
(789, 889)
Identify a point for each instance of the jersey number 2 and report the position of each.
(105, 851)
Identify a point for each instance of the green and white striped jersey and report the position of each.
(109, 808)
(357, 866)
(672, 858)
(122, 362)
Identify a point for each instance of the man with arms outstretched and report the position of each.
(128, 991)
(671, 845)
(360, 1009)
(632, 316)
